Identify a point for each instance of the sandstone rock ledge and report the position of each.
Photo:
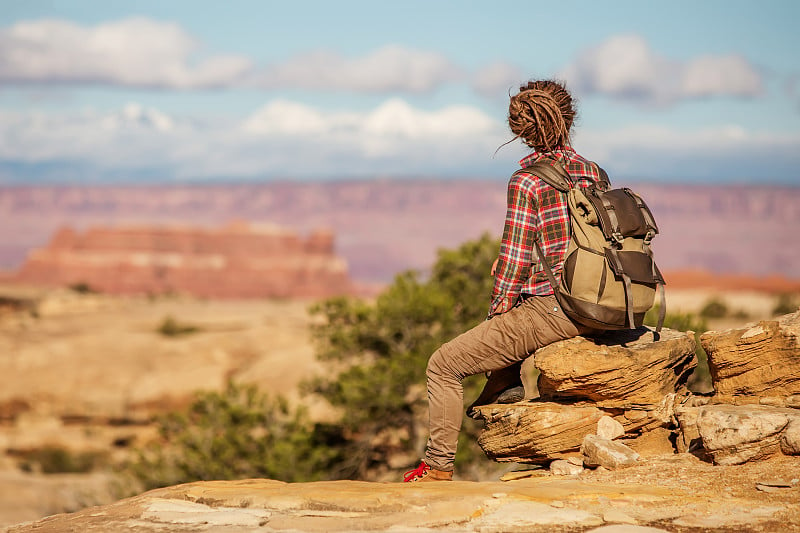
(534, 504)
(631, 385)
(636, 377)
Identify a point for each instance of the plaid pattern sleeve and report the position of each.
(535, 209)
(517, 245)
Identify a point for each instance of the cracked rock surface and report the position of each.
(666, 493)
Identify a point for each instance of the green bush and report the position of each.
(57, 460)
(786, 303)
(82, 288)
(714, 308)
(383, 349)
(235, 434)
(170, 327)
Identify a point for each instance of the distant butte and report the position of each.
(235, 261)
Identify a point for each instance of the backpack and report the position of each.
(610, 279)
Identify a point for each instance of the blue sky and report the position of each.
(165, 91)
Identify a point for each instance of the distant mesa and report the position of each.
(235, 261)
(703, 279)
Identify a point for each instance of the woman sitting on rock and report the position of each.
(524, 314)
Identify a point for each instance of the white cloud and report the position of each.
(390, 68)
(281, 139)
(282, 117)
(394, 119)
(133, 52)
(141, 52)
(625, 67)
(286, 139)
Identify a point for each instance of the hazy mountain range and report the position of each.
(385, 226)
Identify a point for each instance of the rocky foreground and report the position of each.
(616, 442)
(676, 493)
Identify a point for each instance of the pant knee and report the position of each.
(442, 365)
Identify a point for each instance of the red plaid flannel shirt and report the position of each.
(535, 209)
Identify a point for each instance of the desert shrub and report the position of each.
(82, 288)
(785, 304)
(700, 380)
(170, 327)
(234, 434)
(714, 308)
(382, 349)
(57, 460)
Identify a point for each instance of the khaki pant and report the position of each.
(501, 342)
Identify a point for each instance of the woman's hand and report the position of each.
(494, 266)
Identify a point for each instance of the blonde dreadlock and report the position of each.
(541, 114)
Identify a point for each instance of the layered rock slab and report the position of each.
(631, 376)
(619, 369)
(537, 432)
(756, 364)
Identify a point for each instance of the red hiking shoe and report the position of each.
(425, 473)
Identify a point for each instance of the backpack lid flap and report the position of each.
(619, 212)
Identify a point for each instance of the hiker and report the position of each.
(524, 314)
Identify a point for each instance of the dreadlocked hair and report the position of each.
(541, 114)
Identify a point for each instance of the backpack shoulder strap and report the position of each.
(554, 175)
(603, 182)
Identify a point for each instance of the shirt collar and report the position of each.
(558, 153)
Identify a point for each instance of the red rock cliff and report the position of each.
(236, 261)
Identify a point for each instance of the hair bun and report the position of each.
(541, 114)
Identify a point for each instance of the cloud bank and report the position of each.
(134, 52)
(624, 67)
(145, 53)
(282, 139)
(287, 140)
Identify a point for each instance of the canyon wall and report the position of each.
(234, 261)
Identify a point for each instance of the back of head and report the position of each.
(541, 114)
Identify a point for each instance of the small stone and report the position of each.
(518, 474)
(774, 483)
(608, 428)
(499, 495)
(610, 454)
(560, 467)
(767, 488)
(558, 504)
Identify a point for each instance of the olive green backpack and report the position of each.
(610, 279)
